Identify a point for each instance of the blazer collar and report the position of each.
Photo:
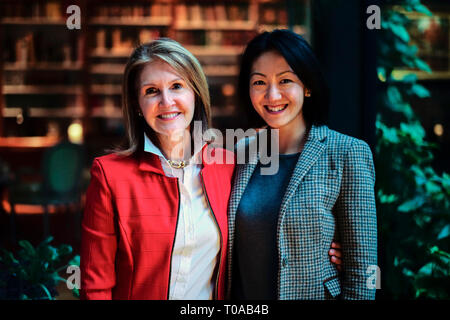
(318, 133)
(150, 157)
(314, 146)
(150, 162)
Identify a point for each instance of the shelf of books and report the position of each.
(50, 74)
(431, 36)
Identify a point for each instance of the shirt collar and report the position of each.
(149, 146)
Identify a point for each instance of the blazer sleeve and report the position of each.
(98, 239)
(357, 222)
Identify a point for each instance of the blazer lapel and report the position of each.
(313, 149)
(243, 174)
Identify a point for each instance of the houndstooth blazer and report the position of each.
(330, 196)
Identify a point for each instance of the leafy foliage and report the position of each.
(413, 200)
(34, 273)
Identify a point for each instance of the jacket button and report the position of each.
(284, 262)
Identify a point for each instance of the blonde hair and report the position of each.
(185, 64)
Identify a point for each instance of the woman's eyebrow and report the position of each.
(152, 84)
(283, 72)
(257, 74)
(262, 74)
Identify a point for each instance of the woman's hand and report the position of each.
(335, 254)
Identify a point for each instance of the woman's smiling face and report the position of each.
(166, 100)
(276, 91)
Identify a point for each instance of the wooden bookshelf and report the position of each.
(68, 112)
(221, 71)
(435, 49)
(218, 25)
(422, 75)
(28, 142)
(106, 89)
(44, 60)
(107, 68)
(43, 66)
(107, 112)
(130, 21)
(101, 53)
(33, 22)
(200, 51)
(44, 90)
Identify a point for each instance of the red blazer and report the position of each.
(129, 224)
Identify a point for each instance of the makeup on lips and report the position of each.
(275, 109)
(168, 116)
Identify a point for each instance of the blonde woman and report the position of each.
(155, 222)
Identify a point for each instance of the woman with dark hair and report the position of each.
(323, 190)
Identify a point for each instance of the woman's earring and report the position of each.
(140, 113)
(307, 93)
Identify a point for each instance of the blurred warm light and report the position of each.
(381, 76)
(52, 129)
(228, 89)
(397, 75)
(438, 129)
(424, 24)
(75, 132)
(19, 117)
(27, 209)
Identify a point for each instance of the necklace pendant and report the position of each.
(177, 164)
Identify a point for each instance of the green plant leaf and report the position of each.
(408, 51)
(389, 134)
(386, 198)
(422, 220)
(422, 65)
(422, 9)
(412, 204)
(435, 251)
(35, 268)
(29, 249)
(75, 261)
(57, 278)
(47, 293)
(64, 250)
(426, 270)
(414, 130)
(408, 273)
(46, 241)
(445, 232)
(76, 293)
(394, 95)
(409, 78)
(420, 91)
(446, 181)
(400, 31)
(8, 258)
(432, 187)
(404, 161)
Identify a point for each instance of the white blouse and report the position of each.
(197, 241)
